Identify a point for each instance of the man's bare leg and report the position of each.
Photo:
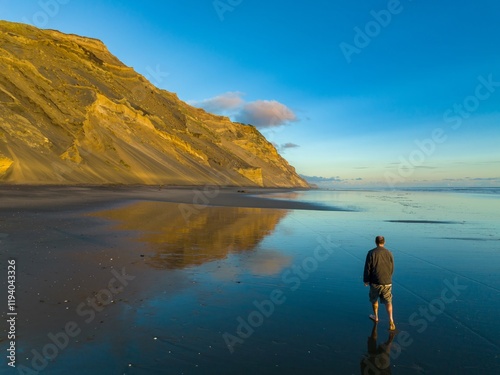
(388, 307)
(375, 311)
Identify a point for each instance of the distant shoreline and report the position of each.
(82, 197)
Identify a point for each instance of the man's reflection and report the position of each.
(377, 361)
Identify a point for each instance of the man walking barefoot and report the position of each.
(379, 267)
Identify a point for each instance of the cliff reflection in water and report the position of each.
(210, 234)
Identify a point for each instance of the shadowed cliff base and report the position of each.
(190, 199)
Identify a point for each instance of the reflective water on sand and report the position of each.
(180, 238)
(264, 291)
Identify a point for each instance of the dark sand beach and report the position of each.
(67, 249)
(57, 198)
(194, 280)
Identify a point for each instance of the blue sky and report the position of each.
(359, 93)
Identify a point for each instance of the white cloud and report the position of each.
(221, 103)
(260, 113)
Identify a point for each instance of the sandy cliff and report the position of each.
(71, 113)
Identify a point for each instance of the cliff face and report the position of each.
(71, 113)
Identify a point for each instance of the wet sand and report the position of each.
(55, 198)
(142, 280)
(68, 248)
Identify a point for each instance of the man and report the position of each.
(379, 267)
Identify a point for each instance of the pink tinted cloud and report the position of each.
(265, 113)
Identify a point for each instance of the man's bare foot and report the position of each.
(374, 318)
(392, 326)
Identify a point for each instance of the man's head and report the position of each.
(380, 240)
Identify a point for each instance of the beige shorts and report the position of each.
(384, 292)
